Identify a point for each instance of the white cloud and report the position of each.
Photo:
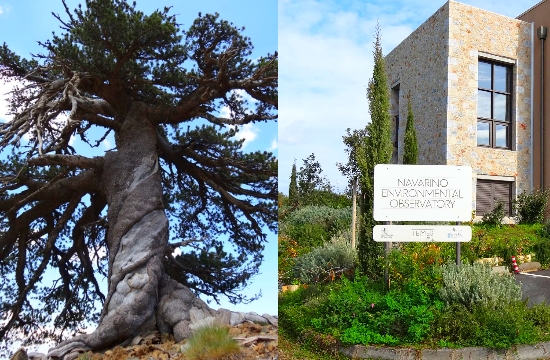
(5, 9)
(248, 132)
(106, 144)
(273, 145)
(224, 112)
(326, 61)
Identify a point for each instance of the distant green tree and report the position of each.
(329, 197)
(282, 200)
(310, 178)
(293, 194)
(353, 140)
(410, 150)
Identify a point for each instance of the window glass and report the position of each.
(500, 110)
(484, 75)
(501, 78)
(484, 104)
(483, 133)
(494, 101)
(501, 136)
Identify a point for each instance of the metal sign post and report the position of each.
(458, 247)
(387, 248)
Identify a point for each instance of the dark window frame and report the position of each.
(396, 142)
(493, 123)
(496, 189)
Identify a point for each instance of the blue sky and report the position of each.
(24, 22)
(326, 61)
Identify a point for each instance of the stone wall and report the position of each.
(438, 66)
(419, 66)
(474, 33)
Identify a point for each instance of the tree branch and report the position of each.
(200, 175)
(68, 160)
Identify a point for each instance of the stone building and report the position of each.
(473, 78)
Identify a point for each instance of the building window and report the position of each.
(490, 192)
(494, 105)
(395, 110)
(396, 140)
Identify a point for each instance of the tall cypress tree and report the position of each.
(293, 187)
(410, 150)
(376, 149)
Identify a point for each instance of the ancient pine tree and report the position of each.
(168, 183)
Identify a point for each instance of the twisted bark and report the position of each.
(141, 297)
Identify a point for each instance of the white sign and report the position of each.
(422, 233)
(422, 192)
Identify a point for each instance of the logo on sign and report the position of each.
(385, 234)
(454, 235)
(423, 234)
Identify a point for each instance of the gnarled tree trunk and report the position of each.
(141, 298)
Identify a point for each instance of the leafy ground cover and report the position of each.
(425, 308)
(359, 311)
(432, 303)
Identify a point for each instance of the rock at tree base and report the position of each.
(258, 342)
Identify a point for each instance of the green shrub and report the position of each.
(328, 198)
(317, 214)
(330, 219)
(472, 284)
(454, 326)
(288, 251)
(419, 261)
(504, 242)
(297, 308)
(495, 216)
(530, 208)
(359, 311)
(542, 246)
(542, 251)
(482, 325)
(308, 236)
(540, 315)
(326, 262)
(545, 230)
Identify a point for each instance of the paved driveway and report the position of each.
(535, 286)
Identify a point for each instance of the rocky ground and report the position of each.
(258, 342)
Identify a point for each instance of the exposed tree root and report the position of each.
(179, 312)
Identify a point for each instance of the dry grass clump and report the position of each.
(212, 342)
